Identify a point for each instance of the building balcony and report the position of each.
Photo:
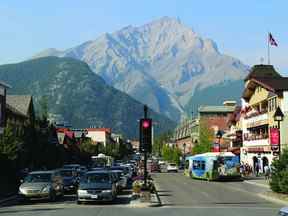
(256, 140)
(257, 120)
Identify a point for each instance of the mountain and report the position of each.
(161, 63)
(78, 95)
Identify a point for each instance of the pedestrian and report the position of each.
(242, 171)
(257, 169)
(267, 172)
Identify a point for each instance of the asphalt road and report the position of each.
(179, 194)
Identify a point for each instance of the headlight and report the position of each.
(46, 189)
(22, 191)
(82, 192)
(106, 191)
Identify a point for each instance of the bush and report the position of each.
(279, 178)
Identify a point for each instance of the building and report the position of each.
(3, 90)
(100, 135)
(217, 118)
(186, 135)
(235, 134)
(265, 90)
(19, 112)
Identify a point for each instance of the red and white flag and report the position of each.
(272, 40)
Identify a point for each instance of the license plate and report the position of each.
(94, 196)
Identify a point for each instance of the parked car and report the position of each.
(172, 167)
(97, 186)
(72, 166)
(70, 179)
(121, 179)
(42, 185)
(283, 211)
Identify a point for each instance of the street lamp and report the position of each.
(184, 147)
(219, 136)
(278, 116)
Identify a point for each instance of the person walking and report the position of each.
(257, 168)
(267, 172)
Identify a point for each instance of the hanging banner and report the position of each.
(274, 136)
(216, 147)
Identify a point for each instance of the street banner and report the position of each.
(216, 147)
(274, 136)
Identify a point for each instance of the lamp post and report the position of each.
(219, 136)
(278, 116)
(184, 148)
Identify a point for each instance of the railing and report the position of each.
(255, 113)
(252, 137)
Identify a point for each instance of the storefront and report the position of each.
(253, 155)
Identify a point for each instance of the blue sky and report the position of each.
(238, 27)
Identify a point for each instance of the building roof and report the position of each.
(262, 71)
(15, 111)
(107, 130)
(19, 102)
(5, 85)
(273, 85)
(216, 109)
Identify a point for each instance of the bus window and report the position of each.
(203, 165)
(199, 165)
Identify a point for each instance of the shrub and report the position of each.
(279, 178)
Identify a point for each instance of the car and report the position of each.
(42, 185)
(121, 179)
(83, 168)
(97, 186)
(172, 167)
(72, 166)
(70, 180)
(283, 211)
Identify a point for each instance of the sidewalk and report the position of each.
(259, 181)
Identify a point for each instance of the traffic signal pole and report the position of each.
(145, 152)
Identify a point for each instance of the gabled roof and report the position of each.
(20, 102)
(262, 71)
(216, 109)
(15, 111)
(273, 85)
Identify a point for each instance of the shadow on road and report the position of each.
(30, 210)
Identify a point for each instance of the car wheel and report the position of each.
(79, 202)
(52, 196)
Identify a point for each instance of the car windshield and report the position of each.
(172, 164)
(40, 177)
(67, 173)
(96, 178)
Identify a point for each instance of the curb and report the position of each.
(273, 199)
(255, 183)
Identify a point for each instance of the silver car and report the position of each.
(42, 185)
(283, 211)
(97, 186)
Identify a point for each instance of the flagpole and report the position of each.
(268, 49)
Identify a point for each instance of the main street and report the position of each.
(180, 195)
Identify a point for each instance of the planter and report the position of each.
(145, 196)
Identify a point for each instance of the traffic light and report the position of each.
(145, 135)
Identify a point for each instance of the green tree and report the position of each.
(87, 146)
(43, 103)
(279, 178)
(9, 143)
(206, 137)
(160, 141)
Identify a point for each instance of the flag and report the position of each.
(272, 40)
